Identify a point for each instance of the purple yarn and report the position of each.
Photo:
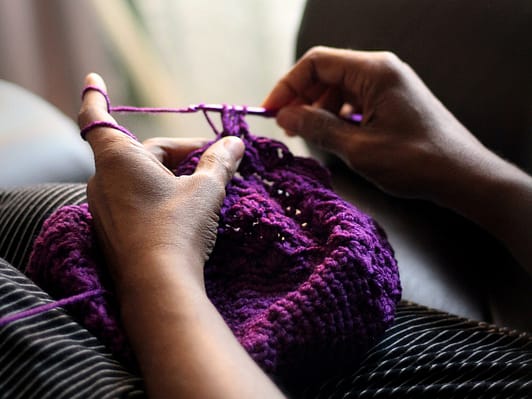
(97, 124)
(48, 306)
(303, 278)
(241, 109)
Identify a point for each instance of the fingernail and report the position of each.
(290, 119)
(235, 146)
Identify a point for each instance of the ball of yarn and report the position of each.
(302, 277)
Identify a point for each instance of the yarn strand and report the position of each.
(98, 124)
(49, 306)
(193, 108)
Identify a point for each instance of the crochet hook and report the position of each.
(196, 108)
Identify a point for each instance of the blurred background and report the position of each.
(152, 53)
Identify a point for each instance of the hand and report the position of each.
(140, 207)
(408, 143)
(157, 231)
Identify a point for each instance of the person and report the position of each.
(404, 129)
(157, 229)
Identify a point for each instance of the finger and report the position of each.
(308, 96)
(171, 151)
(94, 105)
(221, 159)
(331, 100)
(295, 103)
(312, 93)
(347, 110)
(320, 127)
(328, 66)
(93, 109)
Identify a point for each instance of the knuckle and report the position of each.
(151, 142)
(90, 112)
(388, 57)
(220, 163)
(389, 66)
(316, 55)
(85, 116)
(316, 51)
(212, 159)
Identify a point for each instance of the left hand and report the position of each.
(140, 207)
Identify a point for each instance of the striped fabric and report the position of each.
(426, 354)
(431, 354)
(47, 355)
(22, 212)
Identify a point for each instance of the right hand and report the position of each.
(408, 143)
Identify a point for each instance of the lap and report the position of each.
(49, 354)
(426, 352)
(22, 212)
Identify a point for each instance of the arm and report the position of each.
(157, 230)
(408, 143)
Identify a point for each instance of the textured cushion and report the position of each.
(38, 144)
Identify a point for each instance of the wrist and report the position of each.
(489, 191)
(159, 270)
(162, 290)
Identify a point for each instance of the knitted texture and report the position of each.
(302, 277)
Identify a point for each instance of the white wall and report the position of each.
(229, 51)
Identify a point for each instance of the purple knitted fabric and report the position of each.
(302, 277)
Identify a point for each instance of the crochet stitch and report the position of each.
(304, 279)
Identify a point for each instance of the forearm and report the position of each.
(183, 346)
(498, 196)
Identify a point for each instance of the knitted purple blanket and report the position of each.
(303, 278)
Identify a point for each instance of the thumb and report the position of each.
(221, 159)
(318, 126)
